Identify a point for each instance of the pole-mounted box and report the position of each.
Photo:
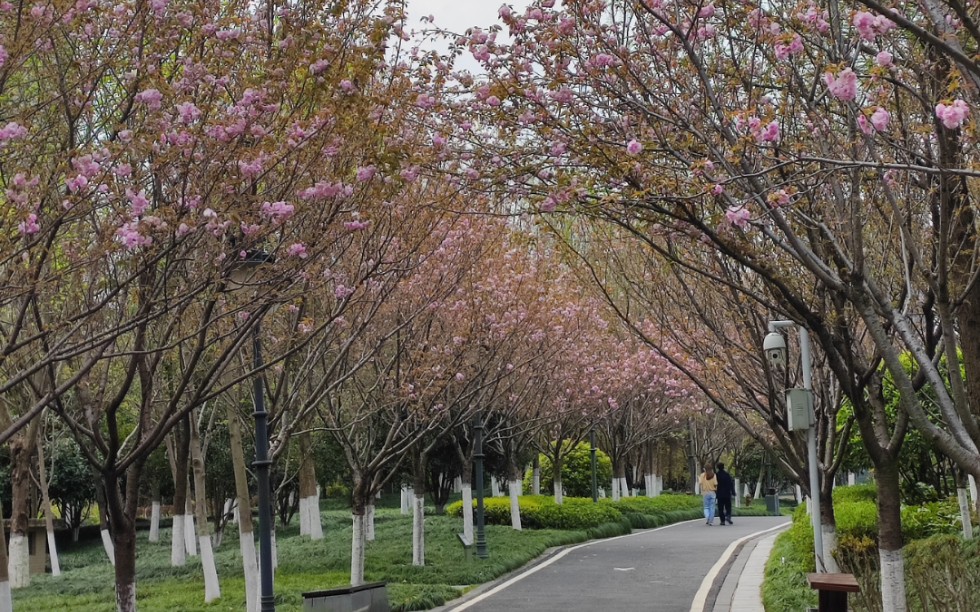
(799, 409)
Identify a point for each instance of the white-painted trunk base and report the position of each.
(602, 492)
(737, 502)
(275, 550)
(494, 487)
(357, 552)
(369, 524)
(212, 590)
(18, 562)
(110, 549)
(155, 521)
(250, 567)
(559, 492)
(515, 505)
(829, 536)
(457, 485)
(468, 512)
(190, 535)
(315, 525)
(697, 488)
(799, 496)
(851, 479)
(892, 581)
(961, 497)
(6, 600)
(536, 481)
(407, 496)
(126, 596)
(758, 489)
(304, 517)
(418, 531)
(624, 488)
(973, 489)
(53, 555)
(178, 550)
(615, 489)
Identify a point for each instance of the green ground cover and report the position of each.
(304, 565)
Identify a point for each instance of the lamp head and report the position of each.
(774, 347)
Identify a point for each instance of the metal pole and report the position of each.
(595, 482)
(261, 465)
(481, 535)
(811, 444)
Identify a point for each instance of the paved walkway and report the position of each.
(681, 567)
(742, 588)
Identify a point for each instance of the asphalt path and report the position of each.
(648, 570)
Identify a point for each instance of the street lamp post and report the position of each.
(481, 534)
(776, 352)
(241, 275)
(592, 451)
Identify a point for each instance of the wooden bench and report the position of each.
(832, 590)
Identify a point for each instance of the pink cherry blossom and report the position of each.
(4, 56)
(843, 86)
(297, 249)
(952, 116)
(76, 183)
(366, 173)
(884, 58)
(880, 119)
(718, 190)
(12, 131)
(188, 112)
(738, 216)
(29, 225)
(548, 205)
(151, 98)
(355, 226)
(138, 202)
(634, 147)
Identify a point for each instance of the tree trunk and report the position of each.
(104, 531)
(48, 512)
(212, 589)
(359, 498)
(828, 528)
(536, 476)
(893, 596)
(190, 530)
(556, 480)
(6, 601)
(467, 504)
(178, 548)
(121, 507)
(963, 499)
(515, 485)
(155, 512)
(18, 561)
(309, 499)
(418, 513)
(246, 538)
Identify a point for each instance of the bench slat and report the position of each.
(845, 583)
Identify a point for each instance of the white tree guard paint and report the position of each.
(457, 485)
(559, 492)
(697, 488)
(178, 550)
(357, 552)
(809, 506)
(961, 497)
(615, 489)
(250, 567)
(155, 521)
(758, 488)
(126, 596)
(418, 531)
(851, 478)
(110, 549)
(892, 581)
(304, 517)
(6, 601)
(624, 488)
(737, 502)
(602, 492)
(275, 549)
(468, 512)
(313, 508)
(829, 535)
(536, 481)
(53, 554)
(190, 534)
(18, 562)
(973, 489)
(799, 497)
(212, 590)
(515, 506)
(369, 523)
(494, 487)
(660, 484)
(408, 494)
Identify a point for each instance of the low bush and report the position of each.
(541, 512)
(943, 573)
(854, 493)
(576, 472)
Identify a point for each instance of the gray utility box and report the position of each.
(772, 503)
(799, 409)
(370, 597)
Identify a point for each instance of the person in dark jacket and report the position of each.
(726, 490)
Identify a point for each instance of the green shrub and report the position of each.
(933, 518)
(576, 472)
(541, 512)
(785, 586)
(852, 493)
(943, 573)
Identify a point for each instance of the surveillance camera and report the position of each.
(775, 348)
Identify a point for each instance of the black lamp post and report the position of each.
(242, 275)
(481, 535)
(595, 482)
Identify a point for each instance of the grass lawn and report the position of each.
(86, 582)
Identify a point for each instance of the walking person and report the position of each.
(709, 486)
(725, 492)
